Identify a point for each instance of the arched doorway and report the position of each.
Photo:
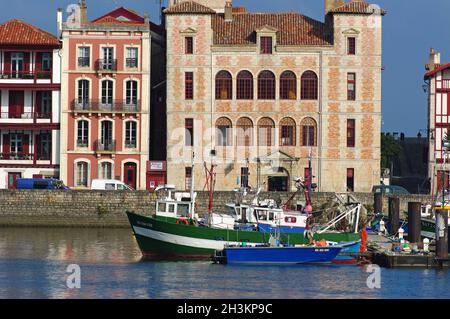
(278, 181)
(130, 174)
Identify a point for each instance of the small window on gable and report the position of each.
(351, 45)
(266, 45)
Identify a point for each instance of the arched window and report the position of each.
(82, 174)
(223, 131)
(309, 86)
(266, 86)
(244, 86)
(224, 86)
(83, 95)
(131, 94)
(266, 127)
(107, 93)
(287, 132)
(105, 170)
(82, 133)
(288, 86)
(244, 128)
(309, 132)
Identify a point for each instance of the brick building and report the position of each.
(257, 94)
(29, 103)
(105, 98)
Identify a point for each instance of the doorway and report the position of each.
(130, 174)
(278, 183)
(12, 180)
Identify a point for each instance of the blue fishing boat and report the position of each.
(284, 254)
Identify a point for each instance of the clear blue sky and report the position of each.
(411, 27)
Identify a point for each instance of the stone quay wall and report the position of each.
(50, 208)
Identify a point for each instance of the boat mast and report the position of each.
(192, 186)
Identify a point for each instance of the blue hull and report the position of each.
(280, 255)
(353, 247)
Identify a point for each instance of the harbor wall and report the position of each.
(51, 208)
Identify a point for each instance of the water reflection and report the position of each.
(33, 264)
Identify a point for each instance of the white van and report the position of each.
(109, 185)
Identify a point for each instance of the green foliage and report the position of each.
(390, 149)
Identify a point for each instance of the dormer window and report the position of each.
(266, 45)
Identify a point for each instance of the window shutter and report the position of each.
(6, 144)
(26, 144)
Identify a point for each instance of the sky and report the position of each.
(410, 29)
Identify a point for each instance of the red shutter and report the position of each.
(26, 67)
(7, 66)
(38, 146)
(38, 61)
(26, 144)
(38, 102)
(6, 145)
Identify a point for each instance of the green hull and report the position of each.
(166, 240)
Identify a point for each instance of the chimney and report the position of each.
(228, 12)
(434, 60)
(332, 4)
(59, 21)
(146, 18)
(83, 12)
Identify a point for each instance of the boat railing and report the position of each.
(352, 215)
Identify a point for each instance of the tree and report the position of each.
(390, 149)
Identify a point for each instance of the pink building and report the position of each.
(29, 103)
(105, 98)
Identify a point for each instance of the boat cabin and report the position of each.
(178, 206)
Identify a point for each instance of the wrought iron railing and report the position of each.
(88, 105)
(105, 146)
(107, 65)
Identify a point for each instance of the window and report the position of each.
(350, 179)
(84, 57)
(43, 141)
(244, 86)
(288, 86)
(351, 46)
(189, 45)
(130, 134)
(223, 132)
(265, 132)
(105, 171)
(189, 132)
(16, 143)
(132, 58)
(131, 93)
(266, 86)
(308, 126)
(244, 176)
(244, 134)
(46, 61)
(83, 133)
(46, 104)
(108, 63)
(287, 132)
(81, 174)
(224, 86)
(107, 92)
(351, 86)
(309, 86)
(189, 85)
(266, 45)
(188, 178)
(83, 94)
(350, 133)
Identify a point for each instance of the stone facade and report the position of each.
(330, 155)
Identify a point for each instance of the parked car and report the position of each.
(390, 189)
(109, 185)
(40, 183)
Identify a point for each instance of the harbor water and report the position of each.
(39, 263)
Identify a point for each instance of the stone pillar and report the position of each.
(414, 221)
(394, 215)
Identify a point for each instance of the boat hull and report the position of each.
(159, 239)
(280, 255)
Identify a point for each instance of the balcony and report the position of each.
(132, 63)
(82, 143)
(105, 146)
(16, 156)
(98, 106)
(26, 75)
(84, 62)
(106, 66)
(25, 116)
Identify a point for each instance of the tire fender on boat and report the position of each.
(182, 221)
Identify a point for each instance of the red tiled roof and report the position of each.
(437, 69)
(17, 32)
(357, 6)
(292, 29)
(189, 7)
